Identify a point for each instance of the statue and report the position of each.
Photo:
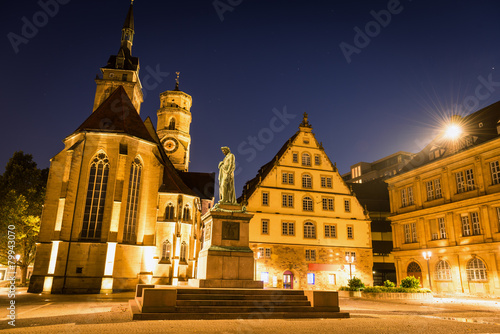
(227, 195)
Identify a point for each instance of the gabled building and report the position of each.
(121, 207)
(306, 220)
(446, 201)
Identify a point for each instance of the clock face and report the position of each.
(171, 145)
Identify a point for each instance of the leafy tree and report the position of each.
(355, 284)
(22, 192)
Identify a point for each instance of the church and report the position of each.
(121, 206)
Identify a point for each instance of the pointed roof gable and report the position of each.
(117, 115)
(129, 20)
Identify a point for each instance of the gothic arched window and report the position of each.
(183, 253)
(169, 212)
(130, 227)
(186, 215)
(171, 124)
(96, 195)
(166, 247)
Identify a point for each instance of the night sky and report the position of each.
(428, 60)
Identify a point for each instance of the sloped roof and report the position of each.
(202, 184)
(480, 127)
(117, 115)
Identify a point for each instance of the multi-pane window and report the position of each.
(347, 205)
(327, 204)
(169, 212)
(465, 180)
(288, 228)
(326, 182)
(186, 213)
(165, 251)
(317, 159)
(406, 196)
(351, 256)
(442, 228)
(306, 159)
(265, 198)
(260, 252)
(443, 271)
(287, 178)
(311, 278)
(309, 230)
(410, 232)
(466, 220)
(306, 181)
(267, 253)
(476, 270)
(310, 255)
(350, 232)
(307, 204)
(433, 189)
(132, 201)
(287, 200)
(183, 252)
(96, 195)
(495, 172)
(295, 157)
(330, 231)
(265, 227)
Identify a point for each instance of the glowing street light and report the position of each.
(427, 255)
(350, 260)
(453, 131)
(18, 256)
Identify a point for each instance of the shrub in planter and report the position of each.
(410, 282)
(389, 284)
(355, 284)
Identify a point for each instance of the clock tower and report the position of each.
(174, 120)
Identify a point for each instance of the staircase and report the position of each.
(192, 303)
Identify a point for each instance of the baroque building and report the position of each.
(446, 201)
(307, 222)
(121, 207)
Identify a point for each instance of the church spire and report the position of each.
(128, 30)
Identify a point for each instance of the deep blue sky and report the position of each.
(264, 55)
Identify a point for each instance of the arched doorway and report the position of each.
(287, 280)
(414, 270)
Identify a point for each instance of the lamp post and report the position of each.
(427, 255)
(15, 268)
(350, 260)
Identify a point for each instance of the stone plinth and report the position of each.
(226, 260)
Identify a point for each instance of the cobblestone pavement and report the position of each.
(111, 314)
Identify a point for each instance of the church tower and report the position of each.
(174, 120)
(121, 69)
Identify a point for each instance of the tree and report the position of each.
(22, 192)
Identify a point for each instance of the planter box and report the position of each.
(345, 294)
(396, 295)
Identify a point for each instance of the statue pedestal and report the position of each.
(226, 261)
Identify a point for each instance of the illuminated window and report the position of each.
(466, 220)
(443, 271)
(476, 270)
(165, 251)
(332, 279)
(264, 277)
(406, 196)
(327, 204)
(350, 232)
(351, 255)
(306, 159)
(96, 195)
(307, 204)
(309, 230)
(288, 228)
(265, 198)
(260, 253)
(169, 212)
(347, 205)
(310, 255)
(265, 227)
(442, 228)
(495, 172)
(183, 252)
(306, 181)
(326, 182)
(410, 232)
(465, 183)
(267, 253)
(287, 201)
(330, 231)
(130, 226)
(310, 278)
(433, 189)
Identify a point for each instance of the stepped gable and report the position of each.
(480, 126)
(117, 115)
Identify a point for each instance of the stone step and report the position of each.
(238, 297)
(272, 292)
(243, 309)
(241, 303)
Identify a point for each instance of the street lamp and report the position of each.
(427, 255)
(350, 260)
(18, 256)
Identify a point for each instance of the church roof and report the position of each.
(117, 115)
(478, 127)
(129, 20)
(203, 184)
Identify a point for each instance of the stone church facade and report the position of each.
(121, 207)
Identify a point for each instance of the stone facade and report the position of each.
(306, 220)
(447, 201)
